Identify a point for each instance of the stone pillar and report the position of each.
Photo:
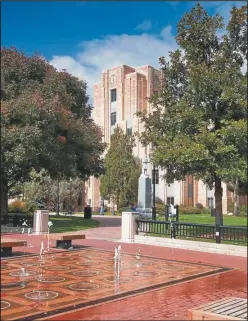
(145, 192)
(40, 225)
(129, 226)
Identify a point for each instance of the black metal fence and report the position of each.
(17, 220)
(190, 230)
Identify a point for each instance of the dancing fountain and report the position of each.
(117, 264)
(50, 224)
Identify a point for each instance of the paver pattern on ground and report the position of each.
(61, 282)
(167, 303)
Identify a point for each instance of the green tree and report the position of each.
(122, 170)
(41, 187)
(237, 188)
(199, 123)
(45, 123)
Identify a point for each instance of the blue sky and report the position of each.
(87, 37)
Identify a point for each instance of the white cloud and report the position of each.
(145, 25)
(113, 50)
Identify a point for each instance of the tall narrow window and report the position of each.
(155, 176)
(210, 202)
(113, 118)
(113, 95)
(129, 131)
(190, 190)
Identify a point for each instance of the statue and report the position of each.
(144, 168)
(145, 187)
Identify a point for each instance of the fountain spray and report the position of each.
(48, 235)
(117, 258)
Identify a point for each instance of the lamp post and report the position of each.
(58, 197)
(70, 195)
(153, 193)
(153, 188)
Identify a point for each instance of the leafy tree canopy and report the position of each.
(122, 170)
(199, 118)
(42, 188)
(45, 121)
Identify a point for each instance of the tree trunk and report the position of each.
(4, 200)
(218, 201)
(236, 198)
(117, 201)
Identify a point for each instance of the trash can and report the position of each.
(213, 212)
(87, 212)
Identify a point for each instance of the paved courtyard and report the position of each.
(170, 301)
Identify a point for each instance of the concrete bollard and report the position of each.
(40, 225)
(129, 226)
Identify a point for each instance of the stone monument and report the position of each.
(145, 188)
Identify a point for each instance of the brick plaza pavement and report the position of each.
(168, 303)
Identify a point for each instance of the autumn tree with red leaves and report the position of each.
(46, 123)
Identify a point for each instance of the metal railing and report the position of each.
(192, 230)
(17, 220)
(236, 233)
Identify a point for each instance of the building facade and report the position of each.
(120, 94)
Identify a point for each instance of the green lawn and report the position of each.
(98, 213)
(207, 219)
(70, 224)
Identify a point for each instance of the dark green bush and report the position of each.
(124, 209)
(31, 206)
(243, 210)
(160, 209)
(189, 210)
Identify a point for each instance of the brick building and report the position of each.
(121, 92)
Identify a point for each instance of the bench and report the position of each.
(7, 244)
(224, 309)
(63, 240)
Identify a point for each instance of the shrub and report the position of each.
(243, 210)
(205, 210)
(124, 209)
(160, 209)
(199, 205)
(158, 201)
(17, 207)
(189, 210)
(31, 206)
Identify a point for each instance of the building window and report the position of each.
(113, 95)
(129, 131)
(170, 201)
(210, 202)
(89, 201)
(155, 176)
(113, 118)
(190, 190)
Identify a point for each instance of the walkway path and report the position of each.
(109, 229)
